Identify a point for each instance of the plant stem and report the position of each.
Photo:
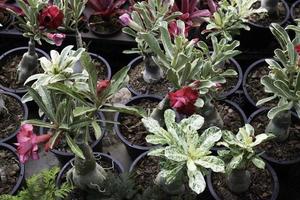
(279, 126)
(174, 188)
(79, 42)
(158, 112)
(28, 64)
(239, 180)
(152, 72)
(271, 6)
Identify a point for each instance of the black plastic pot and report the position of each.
(139, 59)
(275, 191)
(93, 27)
(260, 37)
(252, 67)
(293, 7)
(21, 179)
(104, 61)
(21, 51)
(64, 157)
(133, 150)
(104, 157)
(12, 138)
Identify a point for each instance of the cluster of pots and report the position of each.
(138, 151)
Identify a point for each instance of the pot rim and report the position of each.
(105, 62)
(293, 8)
(137, 160)
(100, 33)
(25, 115)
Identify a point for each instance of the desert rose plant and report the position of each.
(193, 70)
(183, 152)
(38, 20)
(239, 155)
(145, 18)
(283, 81)
(231, 17)
(72, 110)
(107, 9)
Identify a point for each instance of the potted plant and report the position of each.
(105, 19)
(145, 76)
(37, 23)
(12, 170)
(295, 11)
(245, 170)
(282, 83)
(43, 185)
(12, 113)
(6, 17)
(184, 155)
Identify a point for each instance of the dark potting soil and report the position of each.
(138, 84)
(260, 188)
(231, 81)
(297, 11)
(104, 27)
(285, 151)
(264, 19)
(78, 194)
(231, 118)
(256, 89)
(10, 169)
(101, 69)
(10, 121)
(132, 127)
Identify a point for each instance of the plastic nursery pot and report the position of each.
(102, 60)
(21, 178)
(64, 156)
(280, 164)
(12, 137)
(104, 28)
(295, 10)
(257, 64)
(13, 52)
(260, 37)
(134, 150)
(100, 157)
(275, 188)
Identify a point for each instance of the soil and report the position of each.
(297, 11)
(264, 19)
(9, 168)
(101, 69)
(286, 151)
(146, 171)
(78, 194)
(138, 84)
(132, 127)
(8, 72)
(104, 27)
(260, 188)
(10, 121)
(231, 117)
(231, 81)
(256, 89)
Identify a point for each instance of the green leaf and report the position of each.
(78, 111)
(39, 123)
(209, 137)
(97, 130)
(74, 147)
(211, 162)
(235, 161)
(258, 162)
(265, 100)
(274, 111)
(172, 153)
(196, 181)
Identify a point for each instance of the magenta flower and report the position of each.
(127, 21)
(174, 30)
(28, 143)
(57, 38)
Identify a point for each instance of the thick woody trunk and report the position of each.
(175, 188)
(239, 180)
(211, 115)
(29, 63)
(158, 112)
(152, 72)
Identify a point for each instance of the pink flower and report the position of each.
(57, 38)
(102, 85)
(28, 143)
(127, 21)
(174, 30)
(297, 49)
(183, 100)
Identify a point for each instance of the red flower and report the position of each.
(297, 49)
(28, 143)
(51, 17)
(102, 85)
(183, 100)
(57, 38)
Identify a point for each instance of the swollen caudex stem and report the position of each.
(28, 64)
(239, 180)
(86, 173)
(271, 6)
(158, 112)
(279, 126)
(211, 115)
(79, 43)
(152, 72)
(175, 188)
